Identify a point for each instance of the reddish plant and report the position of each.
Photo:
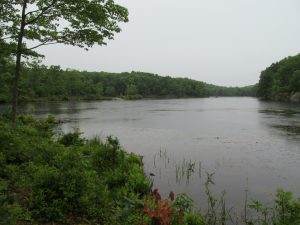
(180, 215)
(163, 210)
(162, 213)
(171, 196)
(156, 195)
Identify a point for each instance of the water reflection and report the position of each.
(284, 117)
(280, 112)
(56, 108)
(289, 129)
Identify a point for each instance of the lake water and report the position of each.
(245, 142)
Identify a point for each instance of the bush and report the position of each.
(72, 139)
(66, 180)
(183, 201)
(193, 219)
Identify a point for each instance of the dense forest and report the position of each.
(52, 83)
(281, 80)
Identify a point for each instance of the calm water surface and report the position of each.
(238, 139)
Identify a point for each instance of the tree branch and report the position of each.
(43, 10)
(34, 11)
(10, 37)
(43, 44)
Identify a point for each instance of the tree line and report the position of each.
(214, 90)
(281, 80)
(53, 83)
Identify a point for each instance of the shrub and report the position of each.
(67, 180)
(193, 218)
(73, 139)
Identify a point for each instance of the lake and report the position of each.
(246, 143)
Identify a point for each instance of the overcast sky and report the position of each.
(224, 42)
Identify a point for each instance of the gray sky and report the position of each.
(224, 42)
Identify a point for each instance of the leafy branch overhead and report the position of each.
(81, 23)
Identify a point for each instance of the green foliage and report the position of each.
(6, 71)
(295, 81)
(64, 180)
(131, 89)
(132, 97)
(285, 211)
(183, 201)
(281, 80)
(26, 25)
(72, 139)
(193, 218)
(53, 83)
(85, 22)
(214, 90)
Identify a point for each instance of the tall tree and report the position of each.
(29, 24)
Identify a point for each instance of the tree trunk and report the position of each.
(18, 61)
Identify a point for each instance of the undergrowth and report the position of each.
(48, 177)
